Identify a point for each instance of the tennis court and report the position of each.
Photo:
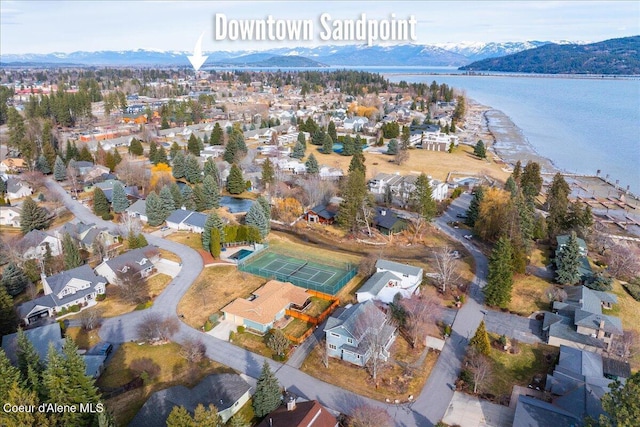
(306, 273)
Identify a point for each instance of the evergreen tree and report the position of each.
(268, 394)
(557, 205)
(517, 172)
(210, 168)
(331, 131)
(479, 149)
(199, 198)
(230, 151)
(357, 144)
(33, 217)
(511, 186)
(8, 318)
(215, 243)
(213, 221)
(179, 417)
(50, 154)
(621, 404)
(211, 192)
(422, 198)
(192, 145)
(568, 262)
(42, 165)
(167, 203)
(302, 139)
(235, 181)
(67, 383)
(312, 165)
(176, 194)
(59, 170)
(388, 195)
(9, 375)
(72, 258)
(174, 150)
(135, 241)
(327, 144)
(348, 146)
(178, 164)
(3, 188)
(318, 137)
(205, 140)
(135, 147)
(192, 171)
(119, 201)
(392, 147)
(117, 158)
(268, 173)
(14, 280)
(355, 196)
(153, 153)
(154, 210)
(164, 124)
(161, 156)
(405, 138)
(29, 363)
(357, 163)
(266, 207)
(187, 198)
(217, 135)
(472, 212)
(100, 202)
(71, 152)
(256, 217)
(531, 180)
(480, 341)
(240, 142)
(500, 279)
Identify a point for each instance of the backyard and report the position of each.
(528, 295)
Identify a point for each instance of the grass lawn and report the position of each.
(216, 287)
(540, 255)
(157, 283)
(317, 306)
(291, 245)
(60, 220)
(252, 342)
(83, 339)
(193, 240)
(297, 328)
(394, 382)
(518, 369)
(627, 310)
(165, 254)
(528, 295)
(171, 369)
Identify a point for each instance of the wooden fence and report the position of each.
(315, 321)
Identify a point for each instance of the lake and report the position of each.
(235, 204)
(581, 124)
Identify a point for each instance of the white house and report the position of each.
(391, 278)
(34, 244)
(186, 220)
(138, 210)
(10, 216)
(17, 189)
(355, 123)
(403, 186)
(139, 260)
(291, 165)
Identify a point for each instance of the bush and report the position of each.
(466, 376)
(63, 311)
(633, 288)
(101, 297)
(456, 193)
(107, 216)
(447, 330)
(144, 305)
(63, 326)
(74, 308)
(208, 325)
(599, 282)
(241, 329)
(502, 340)
(462, 299)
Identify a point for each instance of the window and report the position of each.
(332, 346)
(333, 334)
(358, 356)
(350, 341)
(405, 275)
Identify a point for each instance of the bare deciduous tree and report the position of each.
(446, 268)
(626, 345)
(323, 352)
(155, 327)
(480, 367)
(134, 173)
(317, 190)
(401, 156)
(372, 330)
(416, 228)
(369, 416)
(132, 288)
(367, 265)
(421, 311)
(555, 293)
(130, 225)
(277, 342)
(90, 319)
(193, 350)
(623, 260)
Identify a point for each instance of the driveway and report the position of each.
(469, 411)
(222, 330)
(168, 267)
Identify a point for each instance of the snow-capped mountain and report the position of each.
(475, 51)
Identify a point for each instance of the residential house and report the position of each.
(10, 216)
(324, 213)
(403, 186)
(435, 141)
(86, 234)
(227, 392)
(17, 189)
(299, 414)
(410, 276)
(578, 321)
(584, 268)
(390, 278)
(187, 220)
(388, 222)
(34, 244)
(266, 305)
(140, 261)
(576, 387)
(329, 173)
(12, 165)
(138, 210)
(78, 286)
(355, 123)
(347, 332)
(132, 192)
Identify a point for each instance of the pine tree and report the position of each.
(531, 180)
(268, 395)
(192, 145)
(135, 241)
(357, 163)
(479, 149)
(557, 205)
(71, 152)
(302, 139)
(568, 262)
(153, 153)
(205, 139)
(180, 417)
(161, 156)
(357, 144)
(14, 280)
(135, 147)
(154, 210)
(210, 168)
(213, 221)
(8, 318)
(178, 200)
(192, 171)
(178, 165)
(511, 186)
(327, 144)
(66, 382)
(318, 137)
(298, 150)
(33, 217)
(405, 138)
(354, 195)
(72, 258)
(517, 172)
(500, 279)
(348, 146)
(215, 243)
(119, 201)
(256, 217)
(100, 202)
(392, 147)
(217, 135)
(42, 165)
(59, 170)
(187, 198)
(473, 211)
(230, 151)
(423, 198)
(9, 375)
(266, 207)
(117, 158)
(199, 198)
(29, 363)
(167, 203)
(268, 174)
(235, 181)
(312, 165)
(50, 154)
(211, 192)
(331, 131)
(480, 341)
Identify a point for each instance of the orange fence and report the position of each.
(313, 320)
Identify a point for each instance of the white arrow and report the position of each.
(197, 59)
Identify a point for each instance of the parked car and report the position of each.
(105, 349)
(463, 216)
(468, 236)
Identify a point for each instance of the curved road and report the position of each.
(426, 410)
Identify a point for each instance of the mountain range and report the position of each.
(449, 54)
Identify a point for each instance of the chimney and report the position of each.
(290, 400)
(383, 212)
(601, 328)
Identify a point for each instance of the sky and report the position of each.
(68, 26)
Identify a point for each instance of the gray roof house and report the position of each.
(347, 331)
(86, 234)
(138, 210)
(78, 286)
(17, 189)
(227, 392)
(139, 260)
(187, 220)
(578, 321)
(391, 278)
(34, 244)
(40, 337)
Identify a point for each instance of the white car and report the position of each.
(468, 236)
